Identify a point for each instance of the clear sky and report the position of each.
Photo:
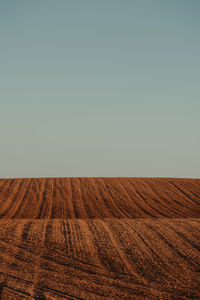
(100, 88)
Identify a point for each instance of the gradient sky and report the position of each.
(100, 88)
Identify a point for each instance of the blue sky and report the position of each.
(100, 88)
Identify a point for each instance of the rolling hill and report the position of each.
(100, 238)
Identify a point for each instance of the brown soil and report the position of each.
(99, 238)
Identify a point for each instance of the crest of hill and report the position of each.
(99, 198)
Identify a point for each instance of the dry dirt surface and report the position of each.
(99, 238)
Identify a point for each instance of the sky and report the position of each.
(100, 88)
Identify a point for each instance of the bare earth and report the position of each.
(99, 238)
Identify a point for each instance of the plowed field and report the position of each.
(99, 238)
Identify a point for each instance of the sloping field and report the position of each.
(100, 238)
(99, 198)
